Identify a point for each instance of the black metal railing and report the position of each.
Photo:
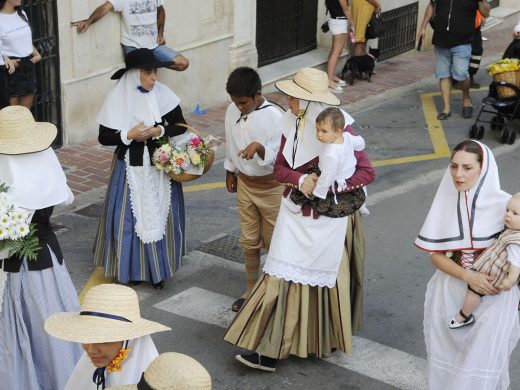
(400, 31)
(43, 17)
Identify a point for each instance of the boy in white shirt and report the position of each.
(252, 142)
(142, 27)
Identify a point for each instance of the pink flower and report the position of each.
(195, 142)
(163, 157)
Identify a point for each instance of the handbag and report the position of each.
(333, 206)
(325, 27)
(375, 27)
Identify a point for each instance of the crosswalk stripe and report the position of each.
(371, 359)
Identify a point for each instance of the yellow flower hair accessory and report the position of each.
(115, 364)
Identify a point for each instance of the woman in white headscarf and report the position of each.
(307, 302)
(116, 339)
(466, 216)
(34, 289)
(141, 229)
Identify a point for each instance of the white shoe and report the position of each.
(336, 89)
(341, 83)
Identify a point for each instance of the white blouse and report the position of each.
(15, 35)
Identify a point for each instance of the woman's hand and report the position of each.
(308, 185)
(481, 283)
(140, 132)
(36, 56)
(10, 64)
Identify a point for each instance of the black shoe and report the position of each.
(135, 282)
(237, 304)
(158, 286)
(467, 112)
(257, 361)
(443, 116)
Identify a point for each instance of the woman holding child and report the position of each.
(466, 217)
(304, 310)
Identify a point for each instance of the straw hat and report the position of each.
(309, 84)
(140, 58)
(19, 133)
(173, 371)
(110, 312)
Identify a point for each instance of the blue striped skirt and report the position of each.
(30, 359)
(118, 248)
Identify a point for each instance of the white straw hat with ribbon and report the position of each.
(172, 371)
(309, 84)
(109, 312)
(20, 133)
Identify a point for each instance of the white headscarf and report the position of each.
(465, 220)
(35, 180)
(142, 353)
(150, 193)
(126, 106)
(307, 146)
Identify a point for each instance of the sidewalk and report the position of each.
(87, 165)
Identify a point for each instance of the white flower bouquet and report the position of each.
(16, 233)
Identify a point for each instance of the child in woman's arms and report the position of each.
(501, 261)
(337, 163)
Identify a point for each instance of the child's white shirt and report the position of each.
(337, 163)
(513, 254)
(262, 126)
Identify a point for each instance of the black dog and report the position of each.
(360, 65)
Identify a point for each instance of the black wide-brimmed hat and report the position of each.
(138, 59)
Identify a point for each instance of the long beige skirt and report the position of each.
(282, 318)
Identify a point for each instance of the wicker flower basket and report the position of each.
(512, 77)
(185, 177)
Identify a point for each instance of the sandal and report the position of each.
(468, 320)
(443, 116)
(237, 304)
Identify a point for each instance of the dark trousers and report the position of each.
(476, 53)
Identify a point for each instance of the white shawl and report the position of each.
(150, 191)
(35, 180)
(307, 145)
(465, 220)
(142, 353)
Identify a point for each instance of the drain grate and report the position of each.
(227, 247)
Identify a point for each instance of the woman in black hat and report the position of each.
(141, 230)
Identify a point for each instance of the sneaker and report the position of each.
(341, 83)
(336, 89)
(257, 361)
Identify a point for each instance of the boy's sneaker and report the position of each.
(257, 361)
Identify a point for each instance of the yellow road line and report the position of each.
(204, 187)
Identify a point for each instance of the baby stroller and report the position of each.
(505, 111)
(502, 109)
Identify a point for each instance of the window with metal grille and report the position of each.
(400, 31)
(43, 16)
